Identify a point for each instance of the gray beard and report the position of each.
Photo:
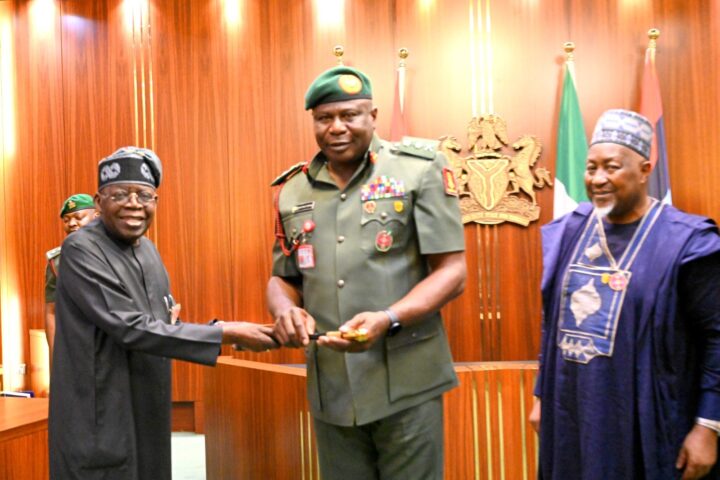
(602, 212)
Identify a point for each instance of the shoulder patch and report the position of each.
(50, 254)
(417, 147)
(288, 174)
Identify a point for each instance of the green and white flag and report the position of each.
(572, 150)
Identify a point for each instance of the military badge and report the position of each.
(306, 256)
(383, 241)
(370, 207)
(382, 187)
(71, 205)
(449, 182)
(399, 206)
(308, 226)
(349, 84)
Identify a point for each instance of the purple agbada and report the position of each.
(626, 366)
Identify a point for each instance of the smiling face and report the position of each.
(127, 210)
(78, 219)
(616, 181)
(344, 130)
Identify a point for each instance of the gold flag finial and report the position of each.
(569, 49)
(653, 35)
(403, 54)
(339, 51)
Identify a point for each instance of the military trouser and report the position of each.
(405, 445)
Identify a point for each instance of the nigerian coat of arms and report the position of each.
(495, 187)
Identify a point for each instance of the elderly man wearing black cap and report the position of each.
(369, 248)
(629, 383)
(76, 212)
(117, 327)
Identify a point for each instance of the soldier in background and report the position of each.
(76, 212)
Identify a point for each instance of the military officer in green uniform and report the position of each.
(76, 212)
(370, 240)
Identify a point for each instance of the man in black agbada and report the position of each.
(116, 330)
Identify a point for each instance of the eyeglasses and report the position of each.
(121, 197)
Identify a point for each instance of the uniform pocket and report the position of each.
(385, 224)
(418, 360)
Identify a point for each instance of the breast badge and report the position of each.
(495, 187)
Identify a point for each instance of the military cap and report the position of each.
(130, 165)
(625, 128)
(79, 201)
(336, 85)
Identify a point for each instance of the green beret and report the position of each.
(336, 85)
(79, 201)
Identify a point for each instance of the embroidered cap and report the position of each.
(336, 85)
(130, 165)
(79, 201)
(625, 128)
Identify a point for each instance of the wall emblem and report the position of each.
(495, 187)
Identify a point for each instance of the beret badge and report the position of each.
(349, 84)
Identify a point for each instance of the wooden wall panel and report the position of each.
(261, 411)
(257, 422)
(228, 117)
(33, 173)
(192, 224)
(24, 439)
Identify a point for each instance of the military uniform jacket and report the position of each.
(51, 271)
(352, 275)
(110, 402)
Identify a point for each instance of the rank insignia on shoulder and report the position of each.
(417, 147)
(288, 174)
(449, 181)
(50, 254)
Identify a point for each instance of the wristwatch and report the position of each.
(395, 325)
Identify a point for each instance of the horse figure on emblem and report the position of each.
(528, 149)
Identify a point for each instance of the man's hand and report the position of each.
(534, 417)
(375, 324)
(293, 326)
(175, 313)
(249, 336)
(698, 453)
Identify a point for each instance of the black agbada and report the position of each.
(110, 388)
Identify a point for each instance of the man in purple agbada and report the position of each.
(629, 384)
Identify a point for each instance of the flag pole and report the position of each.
(403, 53)
(570, 57)
(653, 35)
(339, 51)
(569, 189)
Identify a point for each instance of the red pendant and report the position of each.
(308, 226)
(618, 282)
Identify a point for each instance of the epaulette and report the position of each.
(417, 147)
(50, 254)
(288, 174)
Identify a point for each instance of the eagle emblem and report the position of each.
(493, 186)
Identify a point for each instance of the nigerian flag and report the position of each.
(571, 150)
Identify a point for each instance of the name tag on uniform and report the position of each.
(306, 256)
(303, 207)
